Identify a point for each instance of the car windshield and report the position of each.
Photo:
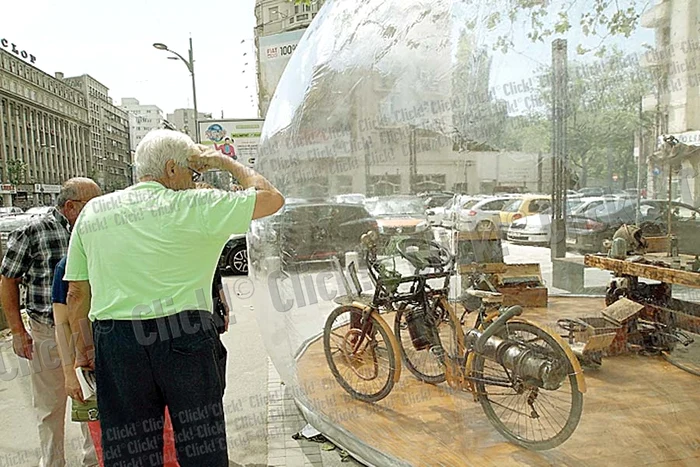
(10, 223)
(513, 206)
(470, 204)
(571, 206)
(38, 209)
(596, 209)
(398, 207)
(437, 201)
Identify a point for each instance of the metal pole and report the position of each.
(194, 93)
(539, 172)
(560, 173)
(670, 198)
(638, 212)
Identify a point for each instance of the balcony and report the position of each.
(301, 20)
(657, 16)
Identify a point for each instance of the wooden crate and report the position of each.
(526, 297)
(505, 277)
(657, 244)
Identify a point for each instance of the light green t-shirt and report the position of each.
(149, 251)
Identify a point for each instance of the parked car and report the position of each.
(234, 256)
(38, 210)
(593, 191)
(399, 216)
(523, 206)
(350, 198)
(589, 227)
(536, 229)
(477, 214)
(317, 232)
(685, 223)
(435, 200)
(438, 215)
(8, 223)
(5, 210)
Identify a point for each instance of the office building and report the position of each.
(142, 119)
(44, 133)
(109, 131)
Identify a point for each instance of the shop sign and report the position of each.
(7, 188)
(39, 188)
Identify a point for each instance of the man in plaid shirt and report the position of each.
(32, 254)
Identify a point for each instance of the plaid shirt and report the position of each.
(33, 251)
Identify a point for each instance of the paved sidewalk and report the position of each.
(284, 420)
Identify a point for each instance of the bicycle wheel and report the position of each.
(363, 363)
(525, 414)
(427, 364)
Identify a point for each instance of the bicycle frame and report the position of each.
(459, 367)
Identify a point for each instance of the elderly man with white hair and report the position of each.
(140, 266)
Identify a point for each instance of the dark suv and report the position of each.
(317, 232)
(595, 222)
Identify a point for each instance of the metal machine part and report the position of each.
(529, 365)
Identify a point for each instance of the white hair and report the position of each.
(157, 147)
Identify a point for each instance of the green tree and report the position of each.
(16, 171)
(603, 118)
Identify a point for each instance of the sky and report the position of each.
(112, 42)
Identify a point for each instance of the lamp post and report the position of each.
(190, 67)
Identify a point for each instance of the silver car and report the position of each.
(476, 214)
(536, 229)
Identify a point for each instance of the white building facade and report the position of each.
(675, 63)
(279, 26)
(142, 119)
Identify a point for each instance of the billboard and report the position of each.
(238, 139)
(273, 54)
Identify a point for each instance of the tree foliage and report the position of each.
(544, 19)
(603, 118)
(16, 171)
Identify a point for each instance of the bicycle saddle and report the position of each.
(486, 296)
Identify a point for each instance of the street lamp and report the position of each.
(189, 63)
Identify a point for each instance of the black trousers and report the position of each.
(143, 366)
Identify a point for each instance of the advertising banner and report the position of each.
(238, 139)
(274, 52)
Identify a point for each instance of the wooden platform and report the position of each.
(637, 411)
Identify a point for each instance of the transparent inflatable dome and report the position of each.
(463, 181)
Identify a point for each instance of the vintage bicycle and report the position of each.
(527, 380)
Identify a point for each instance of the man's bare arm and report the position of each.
(79, 295)
(9, 297)
(268, 200)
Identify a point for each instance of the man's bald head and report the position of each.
(73, 196)
(78, 188)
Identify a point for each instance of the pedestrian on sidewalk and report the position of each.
(32, 254)
(140, 266)
(66, 351)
